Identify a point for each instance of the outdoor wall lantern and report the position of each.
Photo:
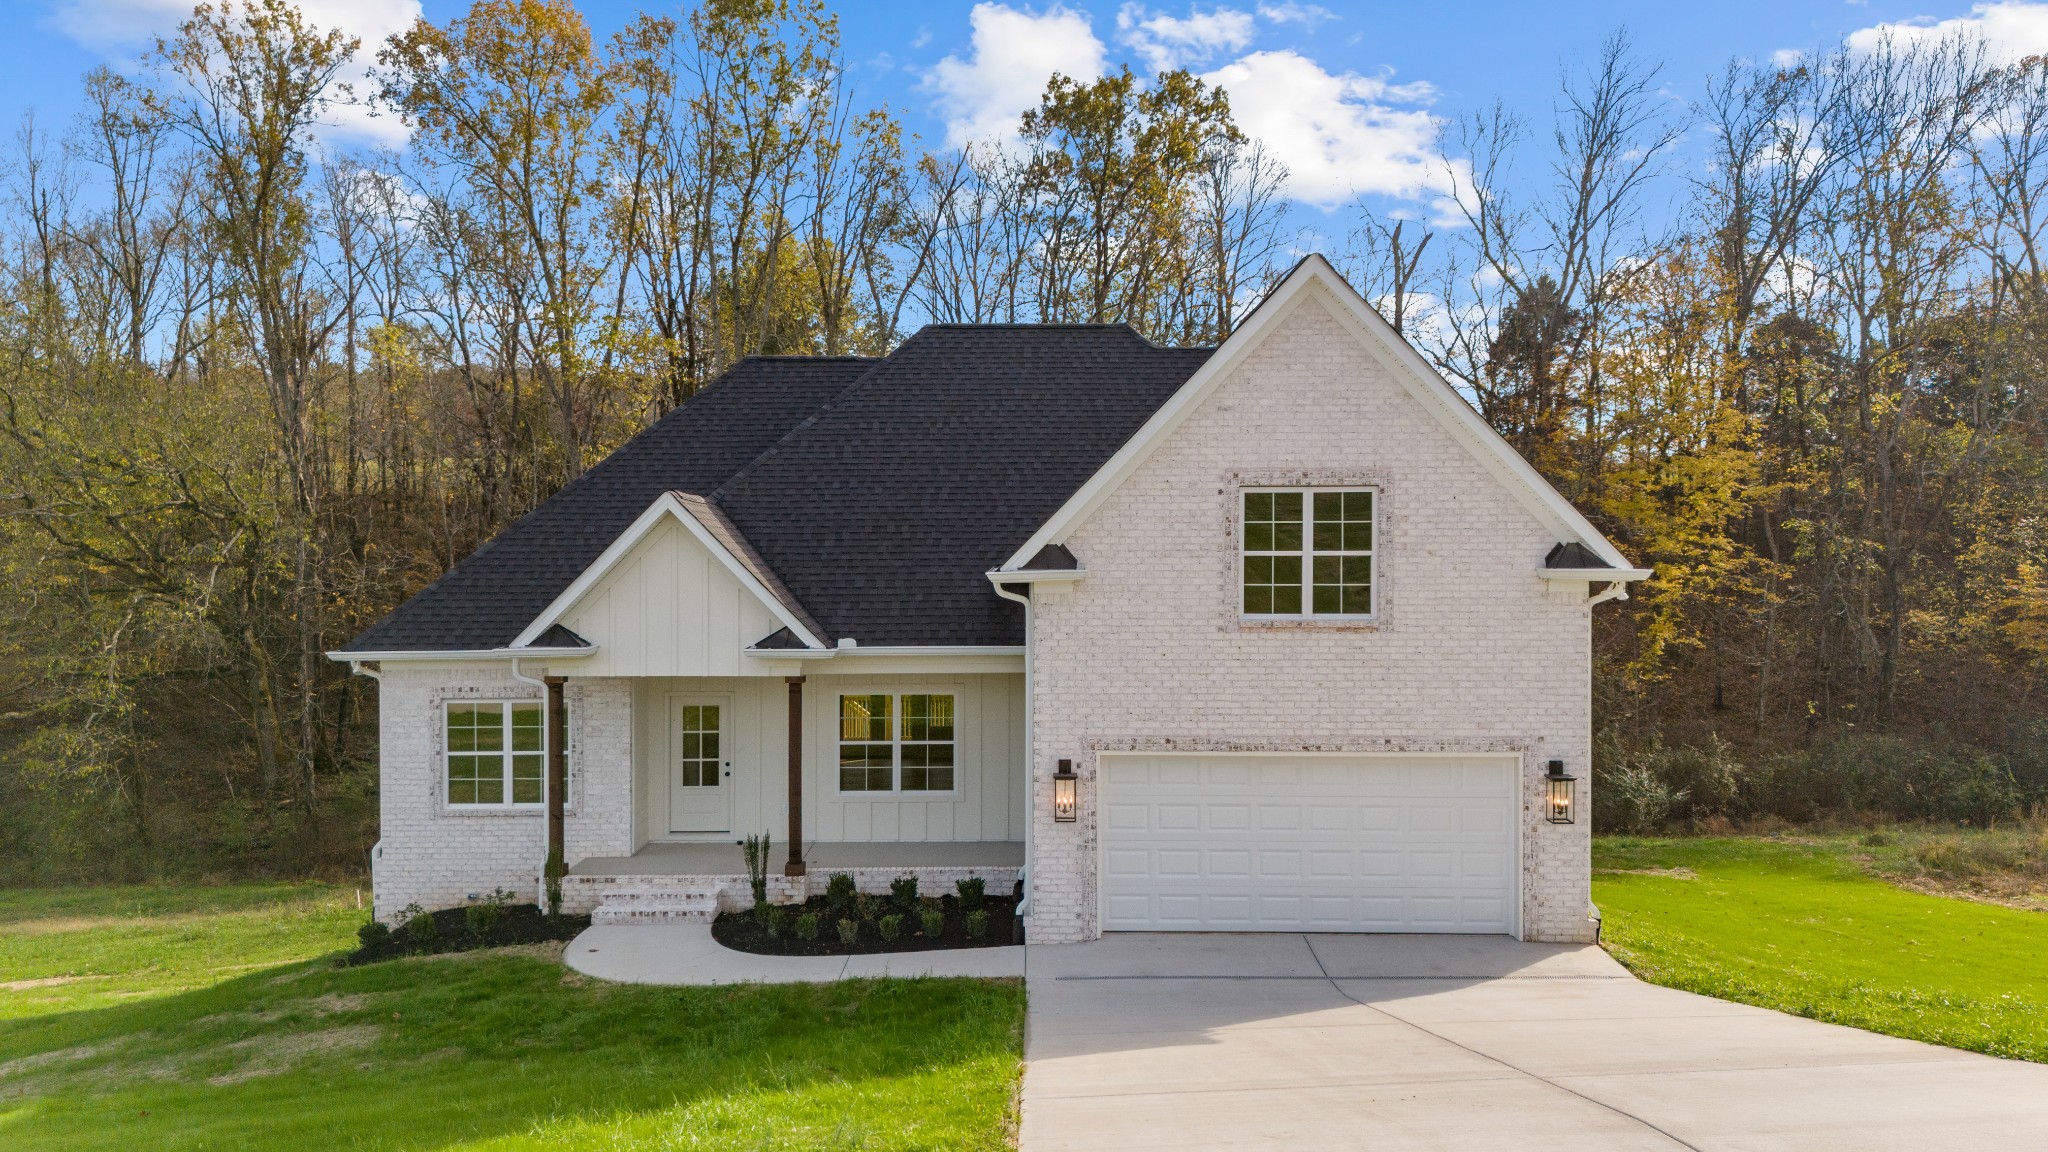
(1066, 793)
(1560, 786)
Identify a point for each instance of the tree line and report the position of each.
(257, 388)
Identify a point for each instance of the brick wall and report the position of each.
(436, 855)
(1471, 650)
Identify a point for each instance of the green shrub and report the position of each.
(807, 926)
(373, 934)
(977, 923)
(933, 921)
(482, 918)
(420, 928)
(849, 932)
(1702, 781)
(772, 918)
(972, 891)
(890, 927)
(1884, 776)
(903, 892)
(756, 851)
(839, 891)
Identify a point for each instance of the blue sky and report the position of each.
(1345, 94)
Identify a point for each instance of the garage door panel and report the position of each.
(1309, 843)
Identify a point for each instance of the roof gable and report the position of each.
(1313, 283)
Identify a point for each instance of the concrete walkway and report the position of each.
(686, 954)
(1448, 1042)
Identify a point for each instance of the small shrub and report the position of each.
(373, 934)
(972, 891)
(807, 926)
(849, 932)
(933, 921)
(904, 892)
(772, 918)
(890, 927)
(977, 923)
(482, 918)
(756, 850)
(839, 891)
(1702, 781)
(421, 929)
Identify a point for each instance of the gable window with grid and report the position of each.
(1308, 553)
(496, 753)
(896, 743)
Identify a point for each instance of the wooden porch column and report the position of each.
(795, 867)
(558, 777)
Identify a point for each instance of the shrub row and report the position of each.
(1844, 778)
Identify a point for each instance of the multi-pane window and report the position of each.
(496, 752)
(699, 762)
(1308, 552)
(896, 743)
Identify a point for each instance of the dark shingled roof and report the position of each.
(493, 595)
(1573, 555)
(884, 493)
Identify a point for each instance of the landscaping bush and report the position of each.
(463, 929)
(807, 926)
(420, 927)
(903, 892)
(756, 850)
(772, 917)
(482, 918)
(933, 921)
(840, 892)
(977, 923)
(373, 934)
(890, 927)
(971, 890)
(849, 932)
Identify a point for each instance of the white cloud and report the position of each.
(1167, 42)
(120, 28)
(1788, 58)
(1013, 53)
(1288, 12)
(2010, 30)
(1339, 135)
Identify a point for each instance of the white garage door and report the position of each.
(1302, 843)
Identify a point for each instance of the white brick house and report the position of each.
(1301, 638)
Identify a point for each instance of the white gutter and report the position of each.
(1615, 591)
(466, 654)
(357, 667)
(1030, 746)
(523, 678)
(900, 650)
(1002, 576)
(1594, 575)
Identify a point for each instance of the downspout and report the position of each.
(541, 873)
(1030, 746)
(1615, 591)
(362, 668)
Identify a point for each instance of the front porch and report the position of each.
(664, 881)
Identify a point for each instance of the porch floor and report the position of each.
(729, 860)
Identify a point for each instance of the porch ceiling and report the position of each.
(729, 860)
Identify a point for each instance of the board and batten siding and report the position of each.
(988, 803)
(669, 608)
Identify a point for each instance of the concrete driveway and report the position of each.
(1467, 1042)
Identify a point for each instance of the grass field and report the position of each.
(1804, 928)
(215, 1019)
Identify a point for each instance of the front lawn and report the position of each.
(216, 1019)
(1802, 928)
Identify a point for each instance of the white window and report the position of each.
(1308, 553)
(896, 743)
(496, 751)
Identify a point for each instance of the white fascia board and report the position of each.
(468, 654)
(666, 505)
(1314, 279)
(1036, 576)
(1595, 575)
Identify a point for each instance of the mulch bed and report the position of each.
(517, 924)
(745, 932)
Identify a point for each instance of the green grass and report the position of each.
(215, 1019)
(1801, 928)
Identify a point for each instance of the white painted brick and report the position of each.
(1471, 649)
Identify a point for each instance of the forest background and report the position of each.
(256, 389)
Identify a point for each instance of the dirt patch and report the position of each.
(45, 982)
(271, 1055)
(1666, 873)
(2023, 893)
(23, 1064)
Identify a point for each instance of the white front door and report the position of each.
(1306, 843)
(699, 766)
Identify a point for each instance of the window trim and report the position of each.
(450, 805)
(895, 791)
(1308, 554)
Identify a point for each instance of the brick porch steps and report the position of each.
(685, 900)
